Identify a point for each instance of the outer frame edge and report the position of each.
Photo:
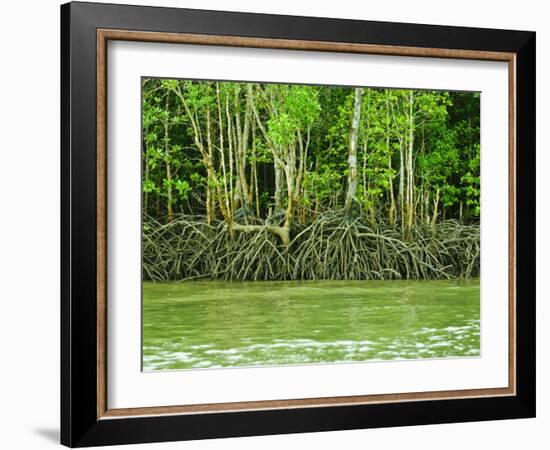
(101, 432)
(65, 334)
(526, 223)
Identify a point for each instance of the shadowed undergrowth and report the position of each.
(333, 247)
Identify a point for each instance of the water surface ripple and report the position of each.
(210, 324)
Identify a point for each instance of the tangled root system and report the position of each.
(335, 247)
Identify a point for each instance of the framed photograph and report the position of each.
(276, 224)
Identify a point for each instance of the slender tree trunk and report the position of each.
(290, 175)
(392, 211)
(279, 202)
(146, 172)
(169, 207)
(436, 206)
(245, 136)
(401, 185)
(427, 206)
(146, 179)
(315, 190)
(410, 168)
(255, 173)
(364, 171)
(223, 197)
(231, 158)
(370, 199)
(352, 152)
(210, 181)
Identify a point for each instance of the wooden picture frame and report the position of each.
(86, 418)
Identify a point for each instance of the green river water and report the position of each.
(221, 324)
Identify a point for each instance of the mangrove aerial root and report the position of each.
(334, 247)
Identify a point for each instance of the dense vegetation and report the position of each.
(274, 181)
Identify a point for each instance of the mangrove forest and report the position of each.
(247, 181)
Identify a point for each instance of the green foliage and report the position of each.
(242, 125)
(295, 110)
(470, 181)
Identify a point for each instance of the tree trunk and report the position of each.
(146, 172)
(436, 206)
(410, 168)
(427, 206)
(401, 185)
(352, 153)
(278, 186)
(255, 174)
(210, 204)
(290, 175)
(169, 208)
(231, 157)
(223, 198)
(392, 211)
